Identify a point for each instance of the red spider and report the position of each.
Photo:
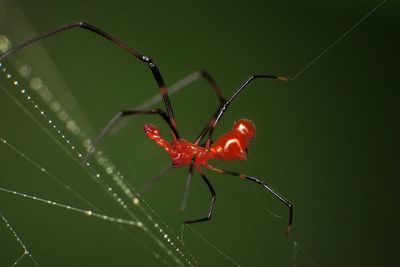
(230, 146)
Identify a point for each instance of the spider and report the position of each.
(231, 146)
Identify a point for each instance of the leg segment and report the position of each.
(266, 186)
(125, 113)
(117, 42)
(213, 197)
(187, 186)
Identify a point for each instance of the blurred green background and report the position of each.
(326, 140)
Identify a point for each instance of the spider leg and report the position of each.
(266, 186)
(125, 113)
(154, 69)
(187, 185)
(222, 108)
(191, 78)
(207, 127)
(213, 198)
(207, 76)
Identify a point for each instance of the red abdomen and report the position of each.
(233, 145)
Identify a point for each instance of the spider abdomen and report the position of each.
(233, 144)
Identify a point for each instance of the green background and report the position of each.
(326, 140)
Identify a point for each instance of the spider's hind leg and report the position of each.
(266, 186)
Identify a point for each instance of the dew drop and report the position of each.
(25, 70)
(36, 83)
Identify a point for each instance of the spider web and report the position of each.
(49, 114)
(121, 192)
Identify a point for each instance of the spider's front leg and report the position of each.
(119, 43)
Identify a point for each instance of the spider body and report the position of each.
(230, 146)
